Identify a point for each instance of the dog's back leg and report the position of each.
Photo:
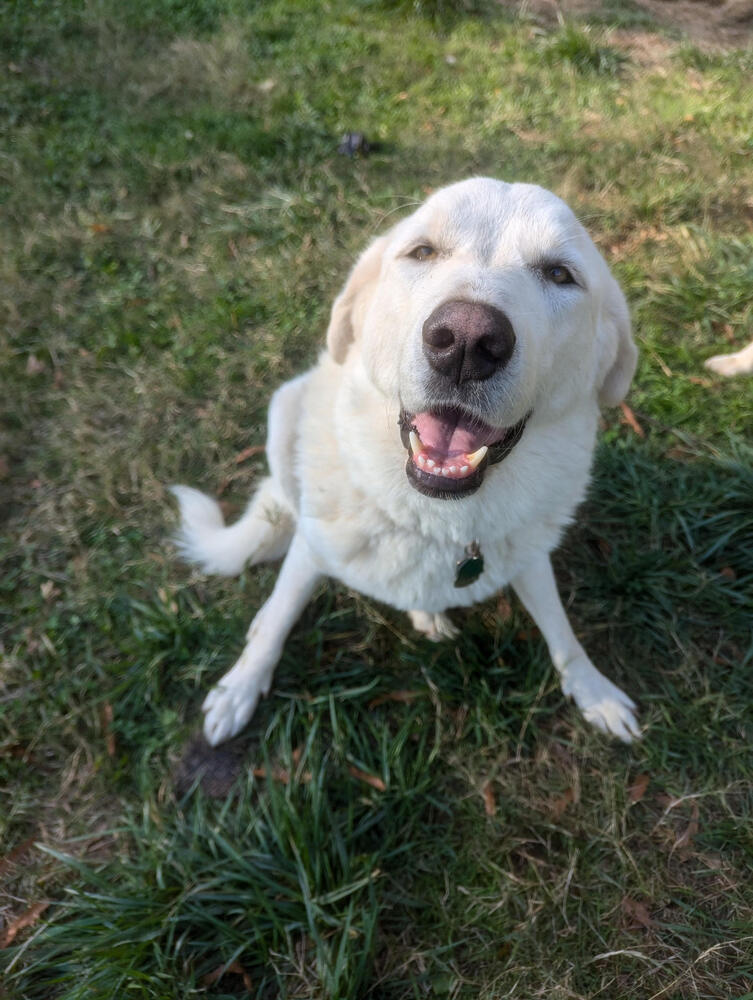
(264, 531)
(434, 626)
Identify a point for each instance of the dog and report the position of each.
(442, 442)
(739, 363)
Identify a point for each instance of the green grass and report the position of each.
(176, 221)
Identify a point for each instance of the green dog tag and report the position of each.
(468, 570)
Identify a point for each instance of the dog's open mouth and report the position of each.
(449, 450)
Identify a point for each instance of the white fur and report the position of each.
(338, 494)
(262, 533)
(739, 363)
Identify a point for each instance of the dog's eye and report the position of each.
(558, 274)
(423, 252)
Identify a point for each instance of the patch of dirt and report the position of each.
(644, 47)
(214, 769)
(713, 25)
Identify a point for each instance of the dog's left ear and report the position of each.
(618, 366)
(350, 306)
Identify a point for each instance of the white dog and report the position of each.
(439, 448)
(739, 363)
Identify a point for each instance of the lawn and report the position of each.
(400, 819)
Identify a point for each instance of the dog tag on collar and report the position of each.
(468, 570)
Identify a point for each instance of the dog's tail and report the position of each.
(262, 534)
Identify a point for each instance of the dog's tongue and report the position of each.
(451, 433)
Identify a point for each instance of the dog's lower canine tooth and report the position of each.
(477, 457)
(415, 443)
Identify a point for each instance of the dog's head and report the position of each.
(487, 304)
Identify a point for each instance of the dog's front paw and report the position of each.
(726, 364)
(602, 703)
(231, 703)
(226, 712)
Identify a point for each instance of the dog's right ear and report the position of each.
(349, 308)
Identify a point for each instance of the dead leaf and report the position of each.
(700, 380)
(27, 919)
(637, 790)
(48, 590)
(234, 967)
(20, 751)
(34, 366)
(629, 418)
(18, 852)
(684, 842)
(504, 608)
(490, 803)
(404, 697)
(678, 454)
(106, 716)
(637, 913)
(604, 547)
(370, 779)
(280, 774)
(728, 573)
(558, 806)
(254, 449)
(100, 227)
(667, 802)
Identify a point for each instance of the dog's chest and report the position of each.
(409, 567)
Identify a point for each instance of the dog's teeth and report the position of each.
(421, 459)
(464, 468)
(415, 443)
(430, 462)
(453, 468)
(477, 457)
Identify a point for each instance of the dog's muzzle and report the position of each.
(449, 450)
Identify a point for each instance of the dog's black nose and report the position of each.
(468, 341)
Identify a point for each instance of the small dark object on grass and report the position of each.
(213, 770)
(354, 144)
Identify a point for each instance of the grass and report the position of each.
(176, 220)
